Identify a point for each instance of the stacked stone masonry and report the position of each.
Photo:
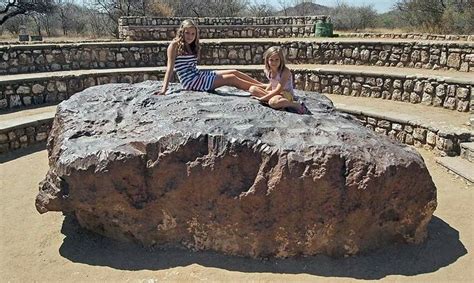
(417, 36)
(15, 59)
(24, 136)
(52, 90)
(406, 132)
(143, 28)
(410, 36)
(425, 90)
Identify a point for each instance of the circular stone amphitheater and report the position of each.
(402, 93)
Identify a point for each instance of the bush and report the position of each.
(347, 17)
(437, 16)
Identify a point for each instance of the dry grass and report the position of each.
(374, 30)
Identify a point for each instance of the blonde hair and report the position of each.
(179, 38)
(269, 53)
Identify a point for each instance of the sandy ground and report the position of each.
(50, 247)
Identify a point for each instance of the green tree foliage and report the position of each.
(437, 16)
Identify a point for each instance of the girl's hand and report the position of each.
(262, 100)
(160, 92)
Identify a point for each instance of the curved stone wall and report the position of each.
(147, 28)
(449, 94)
(15, 59)
(144, 28)
(24, 135)
(430, 138)
(417, 36)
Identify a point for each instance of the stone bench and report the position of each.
(149, 28)
(17, 59)
(25, 129)
(410, 35)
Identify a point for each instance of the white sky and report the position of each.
(380, 5)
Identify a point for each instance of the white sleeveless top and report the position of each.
(276, 80)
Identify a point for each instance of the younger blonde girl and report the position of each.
(279, 92)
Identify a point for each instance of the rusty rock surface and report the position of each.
(222, 172)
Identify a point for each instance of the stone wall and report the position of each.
(18, 59)
(24, 135)
(450, 94)
(417, 36)
(62, 57)
(425, 90)
(52, 90)
(444, 56)
(442, 142)
(410, 36)
(144, 28)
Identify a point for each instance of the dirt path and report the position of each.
(50, 248)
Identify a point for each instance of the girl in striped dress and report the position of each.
(183, 54)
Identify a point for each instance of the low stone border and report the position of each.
(443, 142)
(25, 135)
(17, 59)
(410, 35)
(267, 31)
(54, 89)
(429, 91)
(148, 28)
(453, 94)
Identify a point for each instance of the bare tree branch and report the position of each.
(24, 7)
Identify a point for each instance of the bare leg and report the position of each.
(279, 102)
(257, 91)
(232, 80)
(242, 76)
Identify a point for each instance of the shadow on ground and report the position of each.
(22, 152)
(441, 249)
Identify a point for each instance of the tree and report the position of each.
(346, 17)
(114, 9)
(12, 8)
(68, 18)
(259, 9)
(437, 15)
(284, 5)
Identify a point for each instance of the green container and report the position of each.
(323, 29)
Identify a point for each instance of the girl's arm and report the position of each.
(285, 76)
(171, 53)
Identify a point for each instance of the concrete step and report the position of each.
(25, 128)
(467, 151)
(438, 129)
(458, 166)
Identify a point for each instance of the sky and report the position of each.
(380, 6)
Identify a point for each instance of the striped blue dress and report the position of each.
(190, 77)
